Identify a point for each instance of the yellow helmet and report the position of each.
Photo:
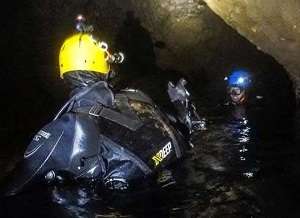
(82, 52)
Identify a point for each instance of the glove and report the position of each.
(186, 110)
(178, 92)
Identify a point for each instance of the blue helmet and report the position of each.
(239, 78)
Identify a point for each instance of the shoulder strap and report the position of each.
(98, 110)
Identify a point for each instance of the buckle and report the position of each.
(95, 110)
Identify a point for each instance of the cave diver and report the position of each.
(238, 83)
(113, 138)
(240, 92)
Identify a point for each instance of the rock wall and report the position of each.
(180, 35)
(273, 25)
(156, 35)
(193, 37)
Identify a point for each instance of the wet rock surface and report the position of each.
(272, 25)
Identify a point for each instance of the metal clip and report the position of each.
(95, 110)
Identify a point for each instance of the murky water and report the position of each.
(244, 165)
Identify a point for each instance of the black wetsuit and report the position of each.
(115, 139)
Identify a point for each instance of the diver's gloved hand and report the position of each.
(178, 92)
(179, 96)
(186, 110)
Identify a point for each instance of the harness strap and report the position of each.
(98, 110)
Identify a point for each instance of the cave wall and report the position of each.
(272, 25)
(155, 35)
(194, 38)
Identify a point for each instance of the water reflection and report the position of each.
(219, 178)
(243, 142)
(80, 202)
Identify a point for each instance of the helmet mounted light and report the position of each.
(239, 78)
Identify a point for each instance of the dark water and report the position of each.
(244, 165)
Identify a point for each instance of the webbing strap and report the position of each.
(100, 111)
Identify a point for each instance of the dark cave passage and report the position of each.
(213, 187)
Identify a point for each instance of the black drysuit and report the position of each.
(116, 139)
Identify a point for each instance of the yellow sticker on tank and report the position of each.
(162, 154)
